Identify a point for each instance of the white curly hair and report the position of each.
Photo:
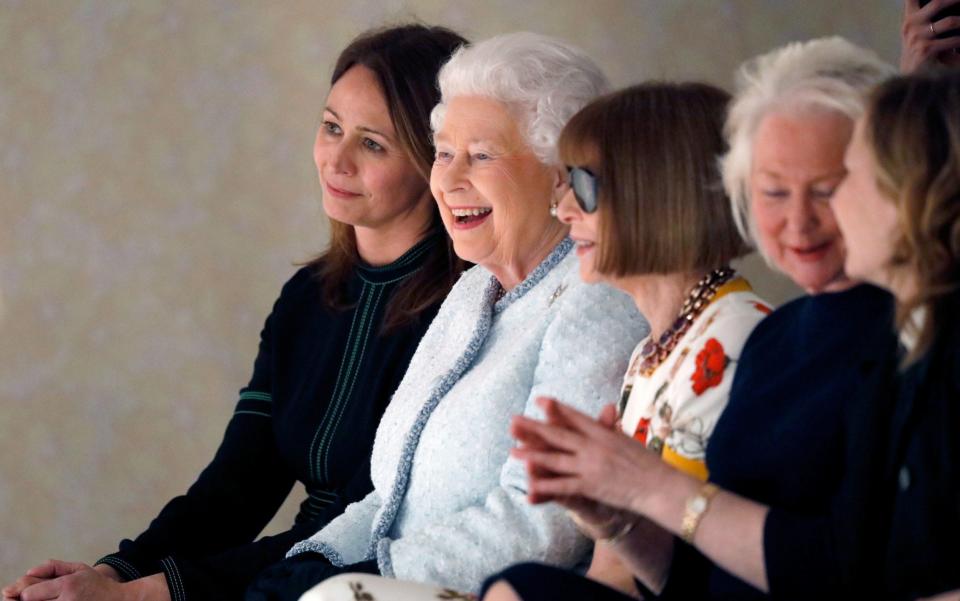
(826, 74)
(543, 80)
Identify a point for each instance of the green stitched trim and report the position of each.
(404, 276)
(412, 255)
(353, 380)
(408, 257)
(248, 412)
(177, 591)
(253, 395)
(126, 569)
(332, 419)
(314, 450)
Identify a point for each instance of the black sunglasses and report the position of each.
(585, 187)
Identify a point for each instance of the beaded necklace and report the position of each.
(654, 353)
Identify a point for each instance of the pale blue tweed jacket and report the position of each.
(449, 505)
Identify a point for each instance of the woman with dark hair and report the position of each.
(448, 504)
(331, 353)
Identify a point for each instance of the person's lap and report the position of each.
(537, 581)
(289, 579)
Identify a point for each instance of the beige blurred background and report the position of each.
(157, 188)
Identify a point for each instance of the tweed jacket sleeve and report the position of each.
(581, 362)
(351, 530)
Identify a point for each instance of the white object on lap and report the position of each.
(350, 587)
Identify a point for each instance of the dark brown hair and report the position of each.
(913, 131)
(655, 149)
(405, 60)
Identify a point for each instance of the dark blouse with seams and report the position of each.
(922, 472)
(320, 384)
(891, 529)
(783, 437)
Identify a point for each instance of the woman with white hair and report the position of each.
(449, 504)
(781, 455)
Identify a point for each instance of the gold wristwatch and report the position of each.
(696, 506)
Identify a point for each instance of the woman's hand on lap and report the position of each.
(72, 581)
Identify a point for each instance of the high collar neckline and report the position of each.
(405, 265)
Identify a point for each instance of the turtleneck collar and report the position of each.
(405, 265)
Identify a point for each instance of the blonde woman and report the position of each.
(899, 210)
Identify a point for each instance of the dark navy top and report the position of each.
(891, 529)
(922, 472)
(321, 381)
(781, 439)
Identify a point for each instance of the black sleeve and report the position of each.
(809, 557)
(799, 552)
(226, 575)
(234, 497)
(291, 578)
(688, 577)
(837, 553)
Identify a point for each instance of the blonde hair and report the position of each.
(913, 131)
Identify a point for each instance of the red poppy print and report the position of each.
(763, 308)
(711, 361)
(643, 427)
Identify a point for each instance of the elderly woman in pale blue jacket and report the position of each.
(449, 505)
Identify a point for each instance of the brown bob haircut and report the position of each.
(405, 60)
(912, 129)
(655, 150)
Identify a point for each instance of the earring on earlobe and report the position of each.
(553, 207)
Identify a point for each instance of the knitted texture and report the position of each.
(449, 504)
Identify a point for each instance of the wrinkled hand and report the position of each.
(596, 520)
(69, 581)
(47, 571)
(11, 592)
(571, 456)
(918, 44)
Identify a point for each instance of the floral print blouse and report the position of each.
(673, 410)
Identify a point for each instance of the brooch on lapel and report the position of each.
(556, 294)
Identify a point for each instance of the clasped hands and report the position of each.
(587, 466)
(65, 580)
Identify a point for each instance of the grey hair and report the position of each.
(542, 80)
(821, 75)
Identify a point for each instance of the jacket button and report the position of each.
(903, 478)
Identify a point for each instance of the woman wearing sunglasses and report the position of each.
(782, 452)
(648, 215)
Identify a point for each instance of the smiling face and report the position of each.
(493, 192)
(367, 176)
(797, 165)
(585, 233)
(867, 218)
